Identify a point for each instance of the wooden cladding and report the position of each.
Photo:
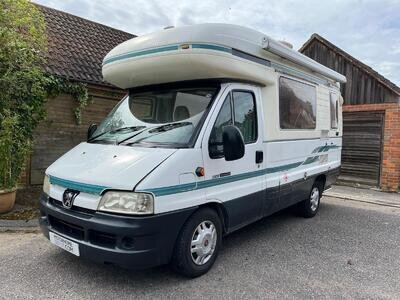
(364, 85)
(362, 144)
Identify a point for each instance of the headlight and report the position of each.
(127, 203)
(46, 185)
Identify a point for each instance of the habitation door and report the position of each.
(236, 183)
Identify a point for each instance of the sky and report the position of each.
(369, 30)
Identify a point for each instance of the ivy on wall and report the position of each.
(77, 90)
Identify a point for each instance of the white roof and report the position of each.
(220, 35)
(233, 36)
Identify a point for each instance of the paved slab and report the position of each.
(364, 195)
(349, 250)
(19, 225)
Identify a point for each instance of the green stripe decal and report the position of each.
(140, 53)
(83, 187)
(181, 188)
(325, 148)
(311, 160)
(212, 47)
(164, 49)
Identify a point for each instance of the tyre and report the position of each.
(309, 207)
(198, 243)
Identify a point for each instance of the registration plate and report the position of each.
(64, 243)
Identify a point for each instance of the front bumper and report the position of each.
(129, 242)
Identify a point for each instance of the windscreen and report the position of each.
(156, 117)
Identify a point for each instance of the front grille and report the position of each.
(94, 237)
(102, 239)
(73, 208)
(66, 228)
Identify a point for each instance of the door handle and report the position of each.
(259, 157)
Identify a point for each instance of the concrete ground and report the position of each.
(349, 250)
(364, 195)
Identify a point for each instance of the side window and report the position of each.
(244, 106)
(334, 100)
(224, 118)
(239, 108)
(297, 104)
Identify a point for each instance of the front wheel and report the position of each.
(198, 243)
(309, 207)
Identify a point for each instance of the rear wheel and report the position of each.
(309, 207)
(198, 243)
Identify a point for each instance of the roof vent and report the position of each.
(169, 27)
(287, 44)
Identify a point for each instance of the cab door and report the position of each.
(237, 184)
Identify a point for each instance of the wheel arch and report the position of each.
(322, 180)
(221, 211)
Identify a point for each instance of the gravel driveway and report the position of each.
(349, 250)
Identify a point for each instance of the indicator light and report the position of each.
(200, 171)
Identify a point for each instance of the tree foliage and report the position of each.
(23, 84)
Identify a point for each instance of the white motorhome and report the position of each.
(222, 126)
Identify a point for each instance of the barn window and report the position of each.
(297, 104)
(334, 100)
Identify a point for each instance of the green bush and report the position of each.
(13, 150)
(23, 84)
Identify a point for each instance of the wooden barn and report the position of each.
(76, 48)
(371, 118)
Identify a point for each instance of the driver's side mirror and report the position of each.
(233, 142)
(92, 128)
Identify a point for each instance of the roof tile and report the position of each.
(76, 46)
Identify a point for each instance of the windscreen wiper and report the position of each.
(128, 129)
(170, 126)
(159, 129)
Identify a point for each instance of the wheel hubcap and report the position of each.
(314, 198)
(204, 241)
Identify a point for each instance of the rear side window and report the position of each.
(297, 104)
(334, 100)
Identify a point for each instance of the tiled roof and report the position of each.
(76, 46)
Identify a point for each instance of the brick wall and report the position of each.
(390, 167)
(60, 131)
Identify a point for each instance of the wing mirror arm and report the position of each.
(92, 128)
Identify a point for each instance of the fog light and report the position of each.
(128, 243)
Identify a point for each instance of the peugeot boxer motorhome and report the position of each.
(221, 126)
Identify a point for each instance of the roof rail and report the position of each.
(279, 49)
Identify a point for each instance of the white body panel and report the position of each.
(108, 165)
(102, 167)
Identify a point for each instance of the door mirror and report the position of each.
(233, 142)
(92, 128)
